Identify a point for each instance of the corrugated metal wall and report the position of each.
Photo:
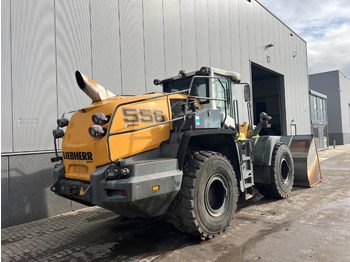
(124, 45)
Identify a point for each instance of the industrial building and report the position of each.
(124, 45)
(336, 86)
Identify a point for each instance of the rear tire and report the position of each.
(207, 200)
(282, 174)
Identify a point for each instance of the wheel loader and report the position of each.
(181, 151)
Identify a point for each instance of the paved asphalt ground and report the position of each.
(312, 225)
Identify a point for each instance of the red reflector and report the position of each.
(124, 193)
(268, 126)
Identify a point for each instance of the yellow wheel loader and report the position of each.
(181, 151)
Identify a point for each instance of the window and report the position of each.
(200, 87)
(314, 106)
(220, 94)
(318, 106)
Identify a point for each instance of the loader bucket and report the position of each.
(307, 171)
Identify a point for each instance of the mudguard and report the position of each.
(263, 148)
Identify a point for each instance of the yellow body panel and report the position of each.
(244, 131)
(122, 139)
(77, 140)
(135, 116)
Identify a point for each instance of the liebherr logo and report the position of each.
(78, 155)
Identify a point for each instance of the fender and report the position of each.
(263, 149)
(205, 139)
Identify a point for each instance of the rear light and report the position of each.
(58, 133)
(62, 122)
(100, 119)
(119, 174)
(96, 131)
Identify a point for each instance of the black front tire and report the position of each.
(281, 172)
(207, 200)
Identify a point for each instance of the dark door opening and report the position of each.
(268, 96)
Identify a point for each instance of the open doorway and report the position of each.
(268, 96)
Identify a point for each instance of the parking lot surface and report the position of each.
(312, 225)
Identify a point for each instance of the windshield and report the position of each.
(200, 87)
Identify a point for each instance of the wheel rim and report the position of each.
(285, 170)
(216, 196)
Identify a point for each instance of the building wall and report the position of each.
(344, 86)
(124, 45)
(336, 86)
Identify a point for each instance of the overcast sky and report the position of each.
(325, 25)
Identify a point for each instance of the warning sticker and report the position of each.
(81, 193)
(198, 121)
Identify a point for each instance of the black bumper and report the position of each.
(147, 192)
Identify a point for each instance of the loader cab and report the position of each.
(214, 88)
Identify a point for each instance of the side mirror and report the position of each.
(247, 93)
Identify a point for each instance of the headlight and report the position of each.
(62, 122)
(99, 119)
(58, 133)
(96, 131)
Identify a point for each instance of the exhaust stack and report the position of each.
(94, 90)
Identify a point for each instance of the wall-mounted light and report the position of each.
(268, 46)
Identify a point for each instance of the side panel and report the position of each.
(125, 140)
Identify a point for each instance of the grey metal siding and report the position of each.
(6, 85)
(225, 34)
(243, 36)
(344, 90)
(259, 45)
(124, 45)
(154, 43)
(25, 196)
(188, 36)
(33, 73)
(132, 47)
(328, 84)
(73, 47)
(214, 33)
(202, 32)
(235, 36)
(172, 37)
(106, 44)
(337, 88)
